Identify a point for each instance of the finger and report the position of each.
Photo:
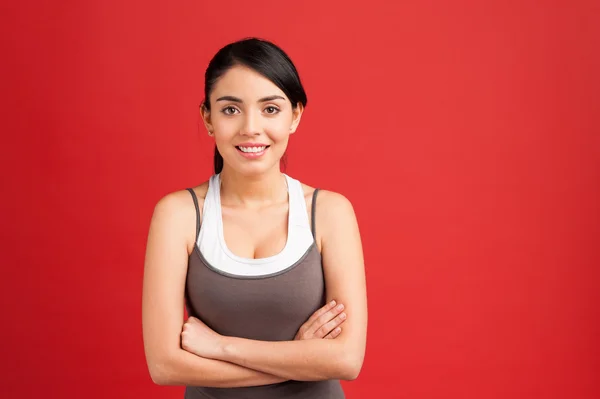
(323, 319)
(321, 311)
(317, 319)
(330, 325)
(326, 317)
(336, 331)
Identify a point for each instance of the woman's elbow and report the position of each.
(351, 372)
(351, 367)
(160, 372)
(159, 377)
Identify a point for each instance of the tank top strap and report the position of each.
(313, 212)
(195, 199)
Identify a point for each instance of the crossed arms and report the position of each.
(198, 356)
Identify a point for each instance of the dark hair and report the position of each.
(261, 56)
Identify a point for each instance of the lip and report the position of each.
(252, 145)
(252, 155)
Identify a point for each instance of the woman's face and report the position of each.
(251, 120)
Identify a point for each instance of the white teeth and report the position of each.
(252, 149)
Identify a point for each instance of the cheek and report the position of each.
(227, 126)
(279, 129)
(279, 134)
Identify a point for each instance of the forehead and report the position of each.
(246, 83)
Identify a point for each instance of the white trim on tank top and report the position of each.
(211, 240)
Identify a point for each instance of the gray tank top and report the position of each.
(270, 306)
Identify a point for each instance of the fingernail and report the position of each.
(332, 303)
(343, 316)
(340, 306)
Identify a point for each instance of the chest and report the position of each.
(269, 308)
(255, 234)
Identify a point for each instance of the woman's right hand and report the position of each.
(324, 323)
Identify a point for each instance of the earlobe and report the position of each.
(205, 115)
(297, 115)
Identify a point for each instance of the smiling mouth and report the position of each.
(252, 150)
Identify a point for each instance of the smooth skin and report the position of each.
(246, 107)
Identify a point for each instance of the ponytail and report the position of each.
(218, 161)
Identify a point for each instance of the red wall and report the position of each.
(466, 133)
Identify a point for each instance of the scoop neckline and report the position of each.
(223, 244)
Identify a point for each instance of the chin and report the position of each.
(252, 168)
(255, 170)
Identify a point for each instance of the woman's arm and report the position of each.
(343, 266)
(186, 369)
(165, 270)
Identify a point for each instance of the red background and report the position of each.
(466, 134)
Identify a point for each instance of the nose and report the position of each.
(251, 124)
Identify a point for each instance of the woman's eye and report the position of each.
(229, 110)
(271, 110)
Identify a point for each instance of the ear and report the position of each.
(296, 116)
(205, 115)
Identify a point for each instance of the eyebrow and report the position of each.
(238, 100)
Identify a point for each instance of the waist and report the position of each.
(330, 389)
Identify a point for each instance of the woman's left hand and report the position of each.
(199, 339)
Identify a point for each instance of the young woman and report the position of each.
(271, 270)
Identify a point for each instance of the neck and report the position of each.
(252, 191)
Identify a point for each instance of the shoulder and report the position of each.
(333, 202)
(326, 198)
(179, 203)
(175, 213)
(327, 201)
(333, 210)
